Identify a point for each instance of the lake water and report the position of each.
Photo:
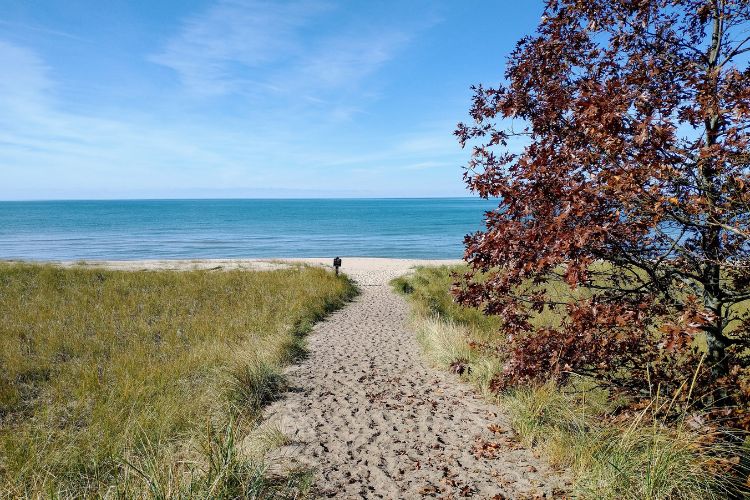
(185, 229)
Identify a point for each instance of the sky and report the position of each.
(244, 98)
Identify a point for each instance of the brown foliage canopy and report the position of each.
(619, 151)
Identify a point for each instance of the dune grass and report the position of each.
(641, 457)
(133, 384)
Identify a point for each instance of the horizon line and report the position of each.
(280, 198)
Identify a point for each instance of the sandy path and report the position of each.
(376, 421)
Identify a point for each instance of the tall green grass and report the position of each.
(129, 384)
(641, 457)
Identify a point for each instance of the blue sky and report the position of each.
(243, 98)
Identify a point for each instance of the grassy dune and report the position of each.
(637, 458)
(147, 383)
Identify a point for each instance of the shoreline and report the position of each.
(368, 270)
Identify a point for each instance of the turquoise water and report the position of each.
(185, 229)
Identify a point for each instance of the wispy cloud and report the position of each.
(269, 94)
(47, 149)
(216, 51)
(43, 145)
(257, 47)
(42, 30)
(347, 58)
(26, 91)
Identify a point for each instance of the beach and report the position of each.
(365, 270)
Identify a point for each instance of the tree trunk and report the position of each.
(716, 341)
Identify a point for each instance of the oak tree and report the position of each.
(618, 150)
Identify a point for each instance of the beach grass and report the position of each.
(147, 384)
(642, 457)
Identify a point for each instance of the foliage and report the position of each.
(140, 383)
(619, 151)
(611, 450)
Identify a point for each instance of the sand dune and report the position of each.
(371, 416)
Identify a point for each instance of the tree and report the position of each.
(619, 151)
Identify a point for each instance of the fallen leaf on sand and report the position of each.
(495, 429)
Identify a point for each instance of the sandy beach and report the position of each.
(370, 415)
(363, 269)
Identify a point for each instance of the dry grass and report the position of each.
(642, 458)
(140, 383)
